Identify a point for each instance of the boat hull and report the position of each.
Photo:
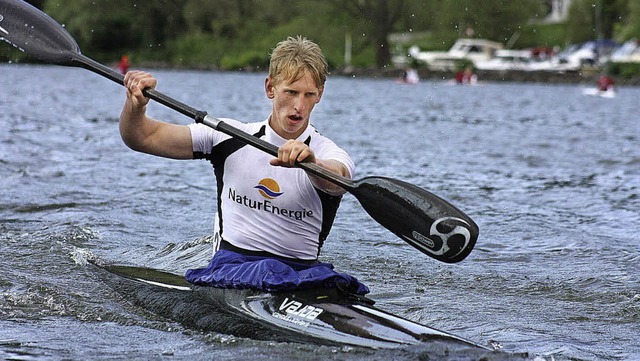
(594, 92)
(320, 316)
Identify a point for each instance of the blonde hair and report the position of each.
(291, 57)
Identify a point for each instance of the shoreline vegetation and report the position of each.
(584, 76)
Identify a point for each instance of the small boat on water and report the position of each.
(595, 92)
(319, 316)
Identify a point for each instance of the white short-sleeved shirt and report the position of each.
(263, 207)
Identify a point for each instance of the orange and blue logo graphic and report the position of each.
(269, 188)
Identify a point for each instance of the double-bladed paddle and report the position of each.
(422, 219)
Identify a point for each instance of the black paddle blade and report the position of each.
(35, 33)
(422, 219)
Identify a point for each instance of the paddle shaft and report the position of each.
(422, 219)
(390, 202)
(215, 123)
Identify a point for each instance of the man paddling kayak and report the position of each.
(272, 218)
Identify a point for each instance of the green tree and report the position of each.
(97, 26)
(496, 20)
(235, 34)
(599, 19)
(629, 26)
(379, 17)
(104, 27)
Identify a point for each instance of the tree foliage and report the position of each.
(378, 18)
(233, 34)
(629, 27)
(606, 19)
(497, 20)
(105, 26)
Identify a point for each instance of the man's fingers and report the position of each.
(291, 152)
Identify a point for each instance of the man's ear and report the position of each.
(268, 87)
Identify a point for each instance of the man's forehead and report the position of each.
(302, 80)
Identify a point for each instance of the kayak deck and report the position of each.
(321, 316)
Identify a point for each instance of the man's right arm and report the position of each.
(147, 135)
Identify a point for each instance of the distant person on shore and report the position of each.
(124, 64)
(605, 83)
(466, 76)
(410, 76)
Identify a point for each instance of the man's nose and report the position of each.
(299, 103)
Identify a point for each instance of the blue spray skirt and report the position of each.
(228, 269)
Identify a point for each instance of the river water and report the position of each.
(551, 176)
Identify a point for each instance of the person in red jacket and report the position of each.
(124, 64)
(605, 83)
(466, 76)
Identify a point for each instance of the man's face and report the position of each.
(292, 104)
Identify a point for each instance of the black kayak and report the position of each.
(320, 316)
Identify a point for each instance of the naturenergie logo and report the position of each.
(269, 189)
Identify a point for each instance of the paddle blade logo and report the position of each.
(268, 188)
(446, 234)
